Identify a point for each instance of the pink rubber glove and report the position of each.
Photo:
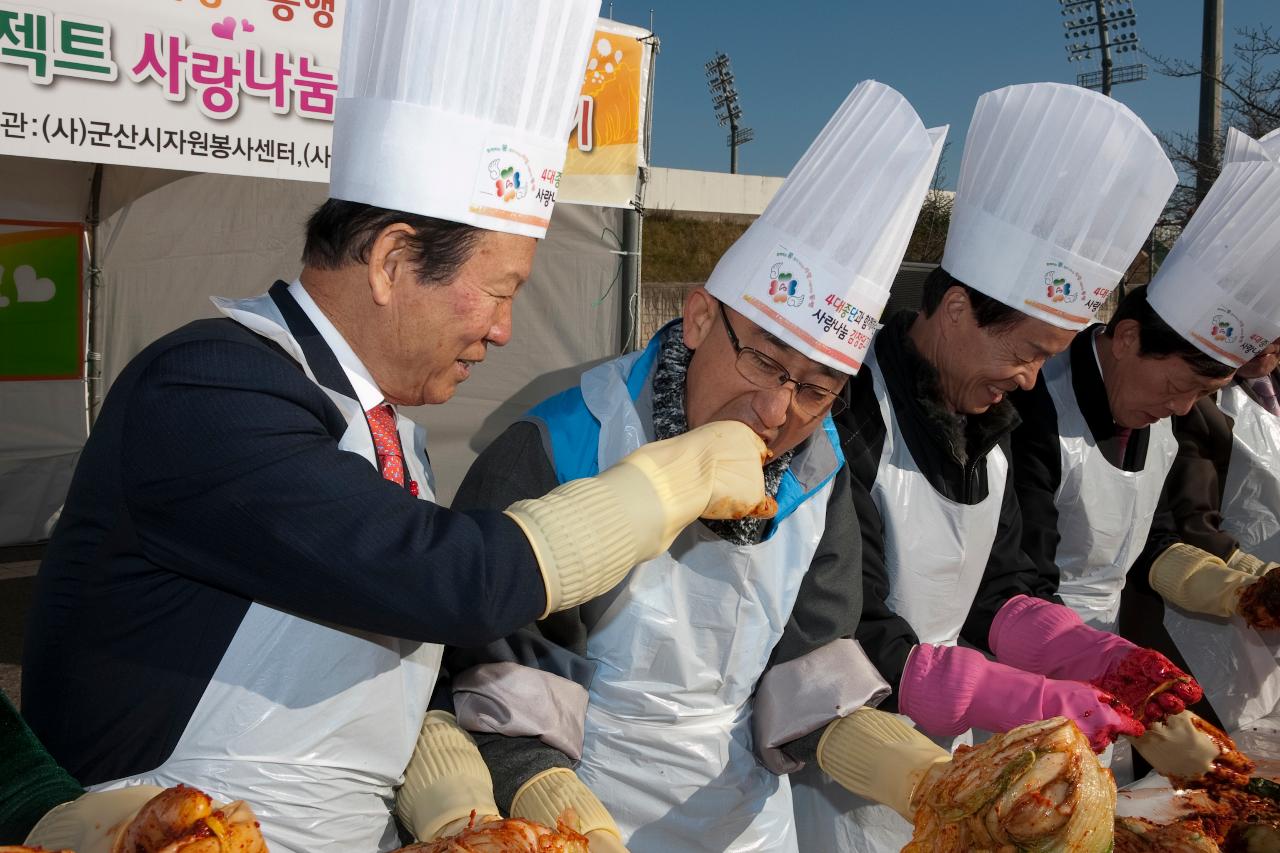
(947, 689)
(1050, 639)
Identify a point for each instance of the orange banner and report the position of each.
(606, 148)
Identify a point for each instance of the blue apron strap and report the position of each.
(574, 432)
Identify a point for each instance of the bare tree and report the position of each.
(1251, 104)
(930, 234)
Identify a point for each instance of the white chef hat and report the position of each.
(1218, 286)
(816, 267)
(459, 109)
(1059, 188)
(1241, 147)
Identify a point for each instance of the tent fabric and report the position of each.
(59, 189)
(45, 423)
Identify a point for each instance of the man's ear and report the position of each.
(956, 307)
(700, 313)
(389, 262)
(1126, 341)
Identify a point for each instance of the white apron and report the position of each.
(668, 745)
(1104, 513)
(1238, 667)
(936, 552)
(311, 724)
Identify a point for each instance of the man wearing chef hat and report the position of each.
(249, 579)
(686, 696)
(1213, 308)
(1057, 183)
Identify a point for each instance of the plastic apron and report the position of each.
(1238, 667)
(668, 745)
(936, 551)
(311, 724)
(1104, 513)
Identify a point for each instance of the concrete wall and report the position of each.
(708, 192)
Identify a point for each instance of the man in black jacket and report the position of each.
(1091, 458)
(944, 576)
(690, 696)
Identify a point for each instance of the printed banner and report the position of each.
(242, 87)
(247, 87)
(41, 300)
(607, 146)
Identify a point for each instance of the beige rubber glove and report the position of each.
(1196, 580)
(1244, 562)
(547, 797)
(445, 782)
(90, 824)
(877, 756)
(1187, 747)
(587, 534)
(145, 818)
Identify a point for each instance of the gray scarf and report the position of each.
(669, 420)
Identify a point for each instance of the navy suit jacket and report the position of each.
(211, 480)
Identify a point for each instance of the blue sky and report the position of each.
(795, 60)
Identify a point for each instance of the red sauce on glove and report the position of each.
(1151, 684)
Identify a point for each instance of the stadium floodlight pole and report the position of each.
(724, 98)
(1210, 97)
(1113, 23)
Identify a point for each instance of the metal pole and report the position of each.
(1210, 97)
(633, 221)
(1104, 47)
(630, 278)
(93, 354)
(733, 147)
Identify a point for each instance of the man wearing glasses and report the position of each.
(685, 699)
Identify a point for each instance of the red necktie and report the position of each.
(386, 443)
(1122, 444)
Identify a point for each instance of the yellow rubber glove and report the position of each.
(877, 756)
(587, 534)
(1188, 748)
(141, 818)
(603, 841)
(90, 824)
(445, 782)
(1196, 580)
(1243, 562)
(547, 797)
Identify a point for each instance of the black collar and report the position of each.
(913, 386)
(323, 363)
(1091, 396)
(1090, 390)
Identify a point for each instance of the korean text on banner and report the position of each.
(242, 87)
(247, 87)
(41, 300)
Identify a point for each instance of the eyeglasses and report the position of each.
(763, 372)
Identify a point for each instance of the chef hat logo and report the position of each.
(510, 172)
(1225, 327)
(1062, 283)
(789, 279)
